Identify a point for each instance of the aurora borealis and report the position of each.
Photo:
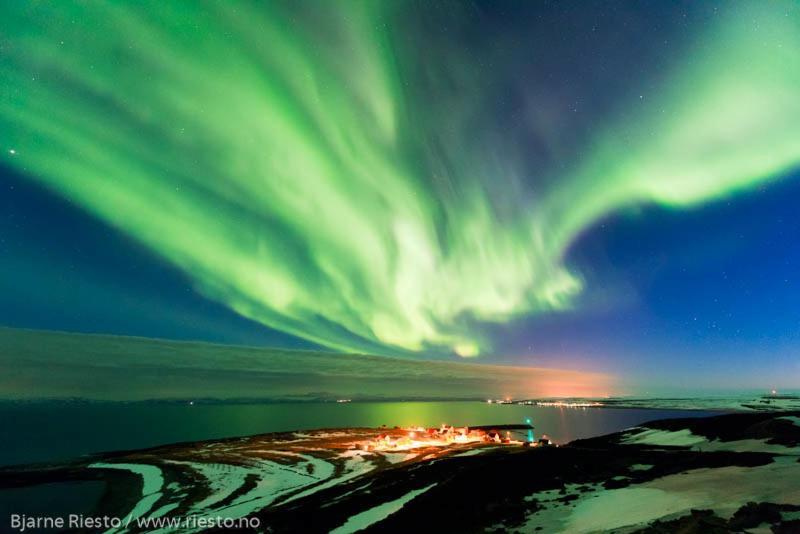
(350, 173)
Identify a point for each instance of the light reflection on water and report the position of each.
(51, 431)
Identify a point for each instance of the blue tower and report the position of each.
(529, 422)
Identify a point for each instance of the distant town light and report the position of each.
(569, 404)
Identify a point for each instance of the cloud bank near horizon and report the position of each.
(33, 365)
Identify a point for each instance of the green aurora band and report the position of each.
(281, 157)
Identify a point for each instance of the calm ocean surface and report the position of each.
(46, 432)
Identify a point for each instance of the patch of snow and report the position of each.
(152, 481)
(348, 493)
(163, 510)
(321, 435)
(641, 467)
(749, 445)
(322, 470)
(151, 475)
(274, 481)
(553, 513)
(398, 457)
(354, 452)
(723, 490)
(790, 516)
(354, 467)
(665, 438)
(471, 452)
(223, 480)
(378, 513)
(553, 495)
(726, 489)
(685, 438)
(622, 507)
(273, 451)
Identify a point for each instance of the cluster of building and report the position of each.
(553, 403)
(412, 438)
(567, 404)
(445, 435)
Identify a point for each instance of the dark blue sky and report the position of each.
(683, 298)
(64, 270)
(699, 297)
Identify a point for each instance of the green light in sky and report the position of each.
(270, 153)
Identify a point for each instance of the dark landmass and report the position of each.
(731, 403)
(728, 473)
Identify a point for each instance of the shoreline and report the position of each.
(742, 402)
(665, 461)
(47, 432)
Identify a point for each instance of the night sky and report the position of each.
(571, 184)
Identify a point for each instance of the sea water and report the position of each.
(43, 432)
